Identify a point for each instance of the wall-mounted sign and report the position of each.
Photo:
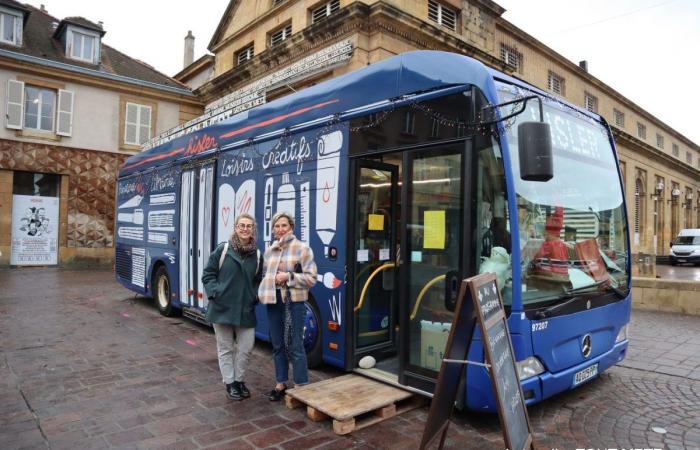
(254, 93)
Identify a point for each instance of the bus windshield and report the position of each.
(572, 228)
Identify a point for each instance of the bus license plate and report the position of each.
(585, 374)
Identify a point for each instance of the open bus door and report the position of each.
(375, 253)
(409, 240)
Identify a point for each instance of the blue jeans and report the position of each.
(297, 354)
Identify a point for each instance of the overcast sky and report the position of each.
(648, 50)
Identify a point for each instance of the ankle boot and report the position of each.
(234, 393)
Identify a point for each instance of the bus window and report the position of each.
(431, 120)
(493, 243)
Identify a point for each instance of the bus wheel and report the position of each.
(162, 292)
(312, 334)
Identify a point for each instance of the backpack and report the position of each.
(223, 256)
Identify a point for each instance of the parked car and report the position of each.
(686, 247)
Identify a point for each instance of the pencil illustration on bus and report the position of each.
(404, 177)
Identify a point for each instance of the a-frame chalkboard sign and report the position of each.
(487, 304)
(512, 412)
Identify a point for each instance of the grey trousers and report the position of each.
(234, 345)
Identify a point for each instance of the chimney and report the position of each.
(43, 8)
(583, 65)
(189, 49)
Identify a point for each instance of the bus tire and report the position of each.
(312, 334)
(162, 293)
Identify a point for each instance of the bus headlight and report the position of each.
(529, 368)
(622, 335)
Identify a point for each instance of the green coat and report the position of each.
(232, 291)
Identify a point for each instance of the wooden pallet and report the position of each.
(352, 401)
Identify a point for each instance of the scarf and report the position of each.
(243, 249)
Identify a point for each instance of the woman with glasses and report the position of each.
(290, 271)
(231, 279)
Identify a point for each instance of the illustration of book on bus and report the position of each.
(232, 203)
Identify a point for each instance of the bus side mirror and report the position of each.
(535, 151)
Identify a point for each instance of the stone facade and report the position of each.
(649, 151)
(86, 215)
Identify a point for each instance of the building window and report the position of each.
(46, 109)
(675, 150)
(276, 2)
(641, 131)
(39, 108)
(32, 183)
(511, 57)
(409, 122)
(659, 141)
(619, 118)
(245, 54)
(638, 200)
(137, 124)
(324, 10)
(689, 157)
(555, 83)
(442, 15)
(83, 47)
(590, 102)
(10, 28)
(281, 34)
(435, 129)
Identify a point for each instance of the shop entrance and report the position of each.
(408, 228)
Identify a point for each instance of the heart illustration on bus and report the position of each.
(234, 202)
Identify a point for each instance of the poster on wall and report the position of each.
(34, 230)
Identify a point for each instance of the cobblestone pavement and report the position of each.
(85, 364)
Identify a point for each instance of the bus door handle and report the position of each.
(451, 289)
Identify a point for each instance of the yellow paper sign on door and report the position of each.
(376, 222)
(434, 229)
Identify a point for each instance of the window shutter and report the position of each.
(64, 124)
(15, 104)
(130, 124)
(145, 128)
(18, 31)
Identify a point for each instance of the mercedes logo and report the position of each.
(586, 346)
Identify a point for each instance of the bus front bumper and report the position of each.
(548, 384)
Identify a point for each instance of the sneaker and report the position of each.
(234, 393)
(245, 393)
(276, 395)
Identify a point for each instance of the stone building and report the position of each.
(265, 49)
(75, 110)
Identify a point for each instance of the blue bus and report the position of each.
(404, 177)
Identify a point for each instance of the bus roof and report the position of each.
(407, 73)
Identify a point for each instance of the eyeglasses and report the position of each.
(245, 226)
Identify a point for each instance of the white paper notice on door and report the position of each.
(383, 254)
(362, 255)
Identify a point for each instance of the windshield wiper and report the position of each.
(569, 297)
(586, 287)
(621, 293)
(546, 312)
